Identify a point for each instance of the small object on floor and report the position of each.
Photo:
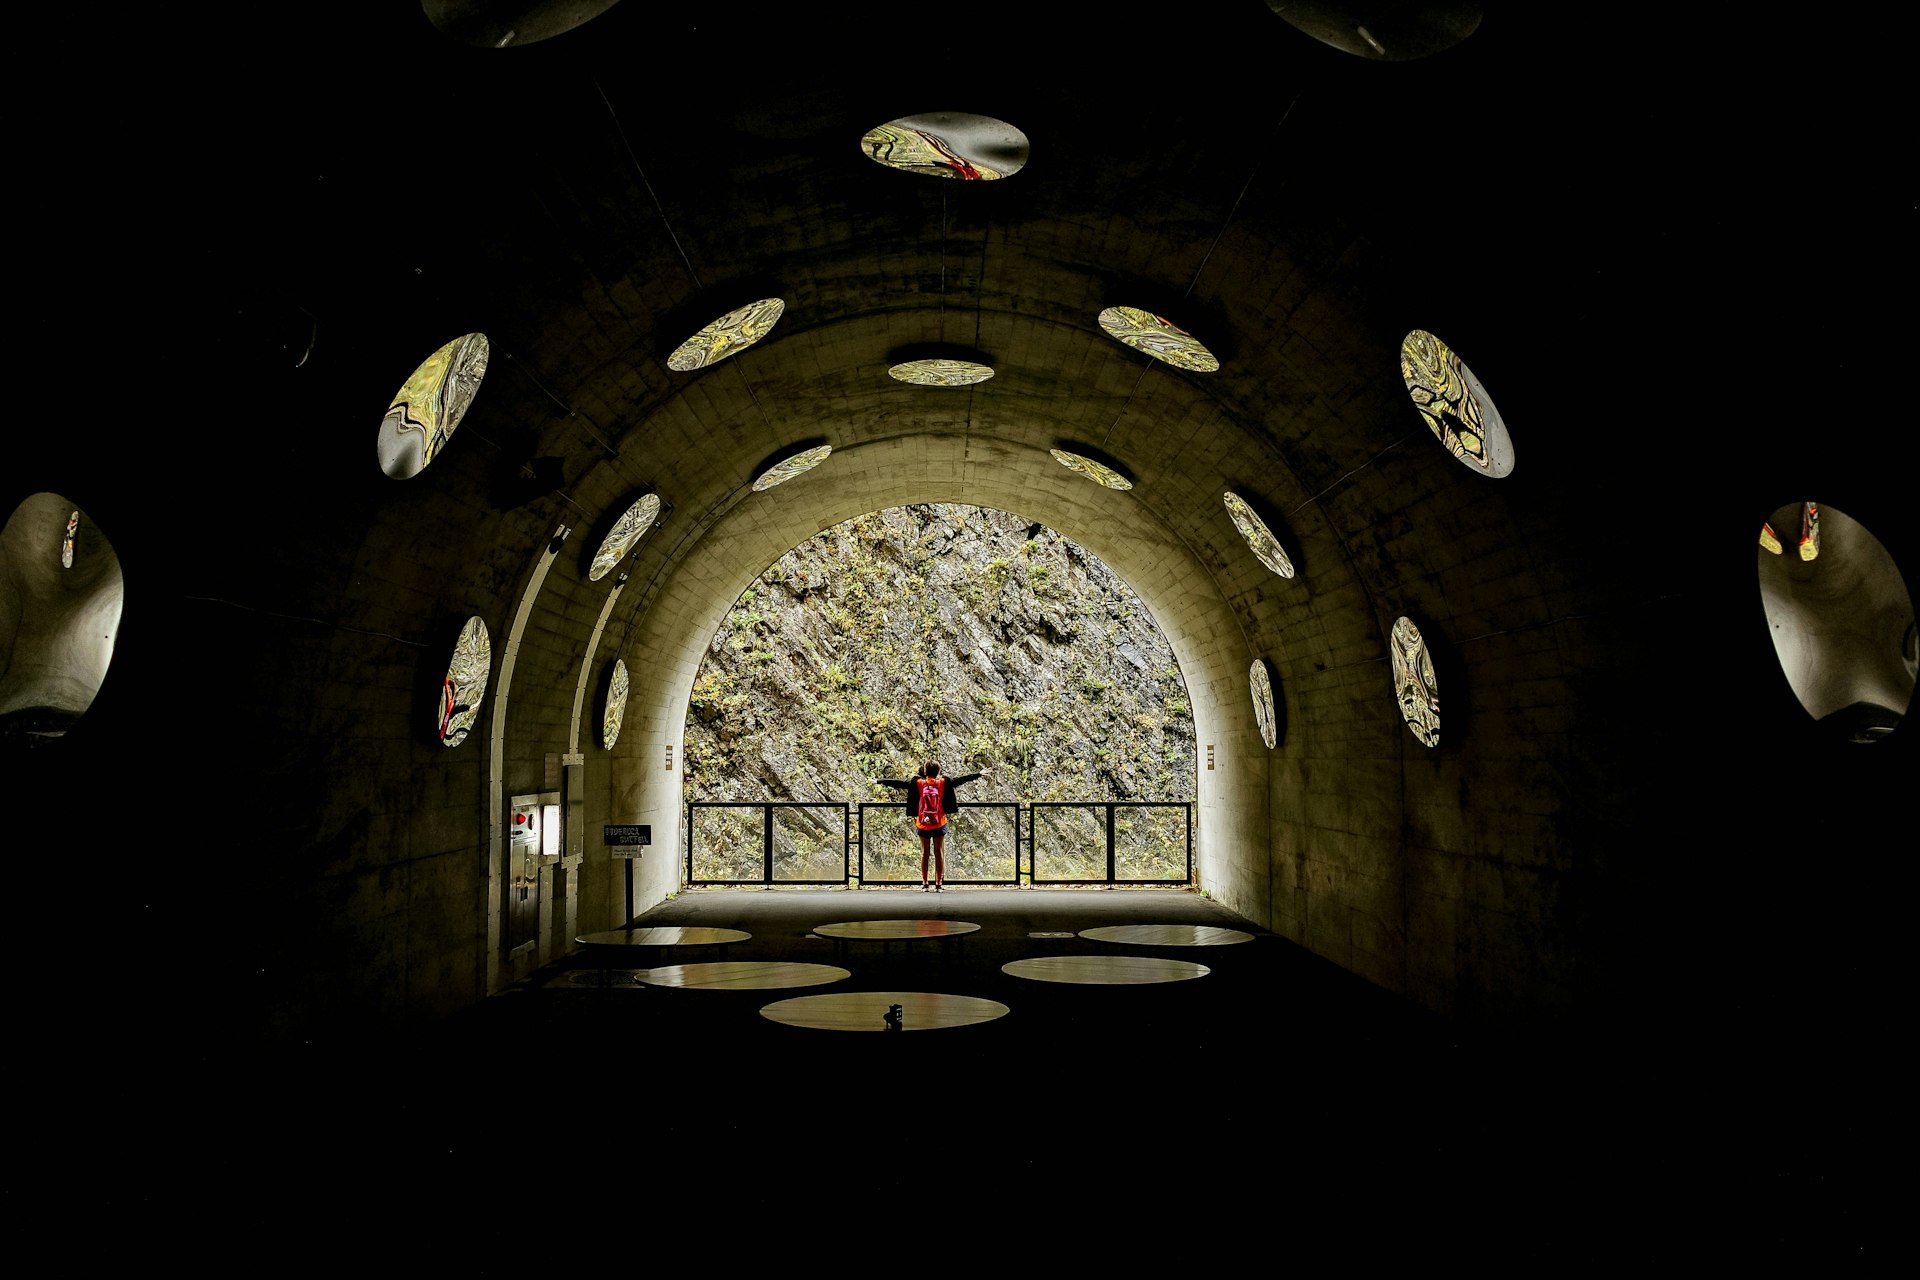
(894, 1018)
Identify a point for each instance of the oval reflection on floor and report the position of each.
(1105, 970)
(870, 1010)
(1168, 935)
(743, 975)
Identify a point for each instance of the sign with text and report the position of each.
(626, 840)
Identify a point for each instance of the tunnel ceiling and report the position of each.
(1675, 249)
(1554, 197)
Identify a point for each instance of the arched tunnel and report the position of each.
(1676, 276)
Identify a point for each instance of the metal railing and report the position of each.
(774, 842)
(768, 842)
(979, 849)
(1110, 842)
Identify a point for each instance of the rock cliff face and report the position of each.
(971, 636)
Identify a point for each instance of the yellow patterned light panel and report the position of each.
(627, 531)
(1159, 337)
(1263, 702)
(1258, 536)
(731, 334)
(948, 144)
(782, 472)
(424, 413)
(941, 373)
(1092, 470)
(1415, 687)
(465, 683)
(616, 706)
(1453, 404)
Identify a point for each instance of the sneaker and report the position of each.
(926, 888)
(936, 888)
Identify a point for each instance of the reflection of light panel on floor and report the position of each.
(868, 1010)
(1105, 970)
(743, 975)
(1167, 935)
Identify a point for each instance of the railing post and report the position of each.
(1189, 808)
(766, 845)
(1110, 859)
(1016, 844)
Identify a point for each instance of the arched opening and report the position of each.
(1202, 590)
(968, 635)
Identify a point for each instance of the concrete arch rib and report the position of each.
(691, 596)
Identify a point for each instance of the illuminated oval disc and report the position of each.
(427, 408)
(616, 706)
(61, 597)
(1415, 688)
(1263, 701)
(465, 684)
(1258, 536)
(941, 373)
(1158, 337)
(948, 144)
(1094, 471)
(785, 470)
(731, 334)
(1841, 620)
(1395, 31)
(626, 531)
(1455, 407)
(508, 24)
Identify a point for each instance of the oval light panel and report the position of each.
(1384, 30)
(465, 684)
(429, 405)
(1841, 620)
(1100, 474)
(941, 373)
(1259, 538)
(616, 706)
(948, 144)
(627, 530)
(1415, 688)
(728, 336)
(508, 24)
(59, 617)
(1158, 337)
(783, 471)
(1453, 404)
(1262, 686)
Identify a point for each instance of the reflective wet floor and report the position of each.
(1277, 1079)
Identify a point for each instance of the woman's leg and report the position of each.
(939, 859)
(924, 839)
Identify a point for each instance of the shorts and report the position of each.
(930, 831)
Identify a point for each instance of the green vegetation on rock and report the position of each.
(972, 636)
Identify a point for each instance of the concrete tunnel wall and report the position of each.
(1629, 807)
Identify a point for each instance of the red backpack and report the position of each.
(931, 814)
